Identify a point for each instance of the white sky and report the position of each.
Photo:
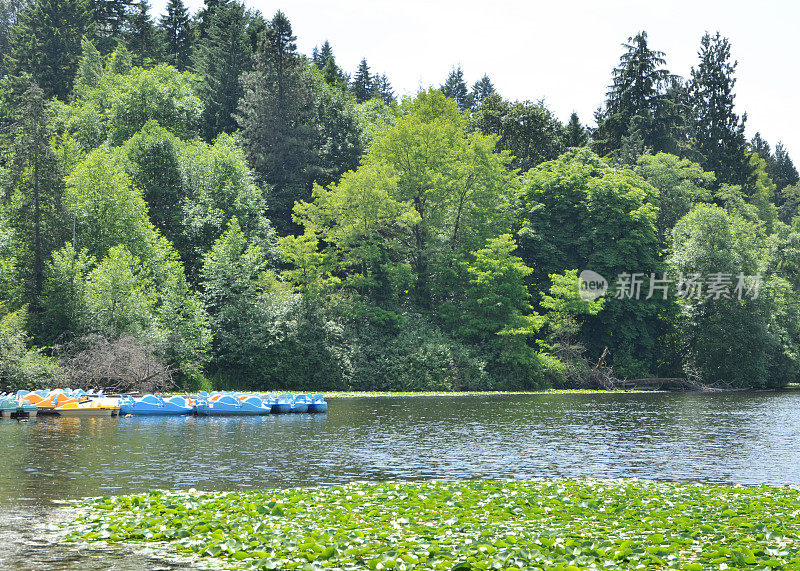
(559, 51)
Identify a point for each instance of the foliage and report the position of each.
(529, 131)
(219, 186)
(456, 89)
(731, 336)
(564, 305)
(579, 212)
(498, 312)
(20, 366)
(717, 129)
(223, 54)
(680, 183)
(112, 225)
(176, 27)
(46, 43)
(121, 104)
(416, 355)
(276, 116)
(471, 524)
(634, 105)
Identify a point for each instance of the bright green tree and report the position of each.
(729, 330)
(120, 105)
(235, 279)
(681, 185)
(498, 312)
(219, 186)
(154, 164)
(90, 66)
(64, 296)
(119, 298)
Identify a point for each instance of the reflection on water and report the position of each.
(740, 437)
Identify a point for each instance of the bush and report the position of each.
(416, 357)
(20, 367)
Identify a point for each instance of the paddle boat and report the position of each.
(300, 403)
(85, 409)
(152, 405)
(44, 404)
(269, 400)
(282, 405)
(8, 407)
(229, 405)
(317, 404)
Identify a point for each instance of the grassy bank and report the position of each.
(539, 524)
(359, 394)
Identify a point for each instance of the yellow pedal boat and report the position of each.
(88, 409)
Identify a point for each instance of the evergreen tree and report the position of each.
(782, 170)
(222, 56)
(46, 43)
(110, 20)
(575, 134)
(277, 120)
(759, 145)
(717, 130)
(206, 15)
(362, 82)
(143, 38)
(325, 62)
(320, 56)
(178, 34)
(10, 11)
(633, 99)
(384, 89)
(333, 74)
(36, 202)
(456, 89)
(482, 89)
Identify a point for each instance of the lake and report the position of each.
(745, 438)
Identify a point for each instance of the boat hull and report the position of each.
(85, 412)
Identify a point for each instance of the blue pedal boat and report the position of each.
(317, 404)
(283, 404)
(151, 405)
(300, 403)
(231, 406)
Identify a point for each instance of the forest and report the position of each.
(190, 202)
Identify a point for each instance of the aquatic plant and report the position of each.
(476, 524)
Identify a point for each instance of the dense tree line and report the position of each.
(249, 215)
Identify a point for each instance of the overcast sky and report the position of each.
(559, 51)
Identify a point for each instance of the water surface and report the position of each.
(746, 438)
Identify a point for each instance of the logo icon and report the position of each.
(591, 285)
